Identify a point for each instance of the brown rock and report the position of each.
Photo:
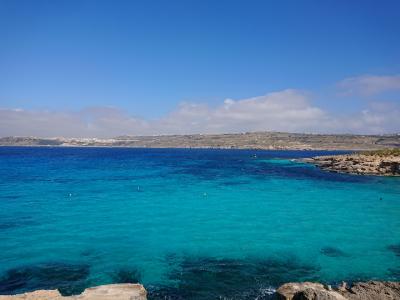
(342, 287)
(36, 295)
(371, 290)
(360, 164)
(312, 294)
(125, 291)
(374, 290)
(306, 291)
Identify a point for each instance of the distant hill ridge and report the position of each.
(251, 140)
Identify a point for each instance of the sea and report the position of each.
(190, 223)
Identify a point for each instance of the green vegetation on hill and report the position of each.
(383, 152)
(249, 140)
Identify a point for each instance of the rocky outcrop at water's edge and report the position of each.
(362, 164)
(125, 291)
(371, 290)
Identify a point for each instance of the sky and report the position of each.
(108, 68)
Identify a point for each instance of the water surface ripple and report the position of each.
(189, 224)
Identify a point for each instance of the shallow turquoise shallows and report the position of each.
(190, 224)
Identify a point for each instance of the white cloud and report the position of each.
(90, 122)
(287, 110)
(368, 85)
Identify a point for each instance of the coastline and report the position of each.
(121, 291)
(184, 148)
(376, 163)
(249, 141)
(369, 290)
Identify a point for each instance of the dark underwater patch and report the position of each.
(212, 278)
(91, 253)
(198, 172)
(215, 168)
(87, 252)
(235, 182)
(9, 197)
(69, 279)
(7, 225)
(230, 168)
(395, 249)
(17, 222)
(164, 293)
(305, 171)
(126, 275)
(332, 252)
(394, 273)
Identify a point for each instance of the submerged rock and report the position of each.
(66, 277)
(125, 291)
(204, 278)
(371, 290)
(332, 252)
(395, 249)
(126, 276)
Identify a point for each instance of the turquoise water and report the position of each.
(190, 224)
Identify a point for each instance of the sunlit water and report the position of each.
(189, 224)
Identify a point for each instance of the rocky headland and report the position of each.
(380, 163)
(371, 290)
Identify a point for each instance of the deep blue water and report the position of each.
(190, 224)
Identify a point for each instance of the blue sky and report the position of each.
(144, 60)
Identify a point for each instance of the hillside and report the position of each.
(257, 140)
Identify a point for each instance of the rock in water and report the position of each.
(307, 291)
(374, 290)
(371, 290)
(358, 163)
(103, 292)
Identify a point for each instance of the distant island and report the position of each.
(248, 140)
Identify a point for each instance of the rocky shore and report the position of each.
(371, 290)
(124, 291)
(373, 163)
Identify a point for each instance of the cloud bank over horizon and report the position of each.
(288, 110)
(369, 85)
